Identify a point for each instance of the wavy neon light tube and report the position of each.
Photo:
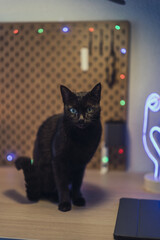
(152, 103)
(151, 134)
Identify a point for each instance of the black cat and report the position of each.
(64, 145)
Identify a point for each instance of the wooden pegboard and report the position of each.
(33, 65)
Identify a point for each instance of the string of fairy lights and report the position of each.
(66, 29)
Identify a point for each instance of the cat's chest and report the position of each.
(82, 149)
(83, 141)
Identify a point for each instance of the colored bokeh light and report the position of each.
(15, 31)
(122, 103)
(91, 29)
(10, 157)
(65, 29)
(40, 30)
(122, 76)
(123, 50)
(117, 27)
(121, 151)
(105, 159)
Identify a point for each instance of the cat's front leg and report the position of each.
(77, 197)
(64, 196)
(62, 184)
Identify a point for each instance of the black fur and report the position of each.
(64, 145)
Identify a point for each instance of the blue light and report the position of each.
(10, 157)
(153, 104)
(155, 129)
(123, 50)
(65, 29)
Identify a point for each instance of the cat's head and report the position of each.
(83, 108)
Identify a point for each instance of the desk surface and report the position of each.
(20, 218)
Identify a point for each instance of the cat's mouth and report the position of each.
(81, 125)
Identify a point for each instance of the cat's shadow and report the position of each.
(93, 194)
(16, 196)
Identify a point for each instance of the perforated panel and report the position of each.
(33, 65)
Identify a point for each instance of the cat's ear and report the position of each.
(67, 94)
(96, 92)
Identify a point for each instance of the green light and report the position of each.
(117, 27)
(32, 161)
(122, 102)
(105, 159)
(40, 30)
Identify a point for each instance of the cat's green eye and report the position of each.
(73, 110)
(89, 110)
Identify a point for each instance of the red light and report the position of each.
(122, 76)
(91, 29)
(15, 31)
(121, 151)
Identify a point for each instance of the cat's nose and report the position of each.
(81, 119)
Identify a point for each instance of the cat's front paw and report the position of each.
(64, 206)
(80, 202)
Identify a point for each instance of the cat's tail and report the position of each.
(31, 175)
(24, 163)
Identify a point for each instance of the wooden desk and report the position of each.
(20, 218)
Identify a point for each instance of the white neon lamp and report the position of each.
(152, 180)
